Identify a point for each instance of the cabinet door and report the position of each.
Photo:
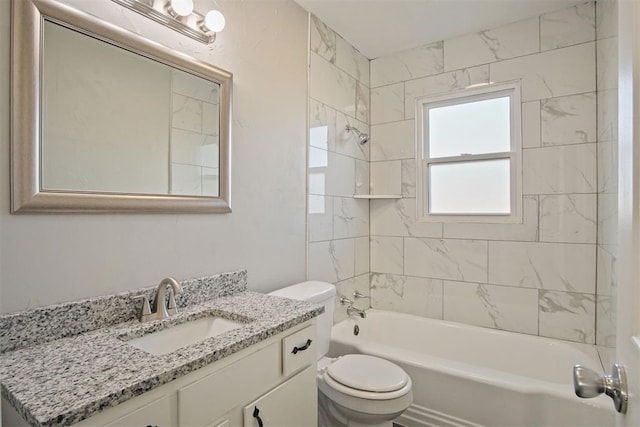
(291, 404)
(210, 398)
(154, 414)
(222, 423)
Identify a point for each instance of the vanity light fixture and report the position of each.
(214, 21)
(179, 8)
(180, 16)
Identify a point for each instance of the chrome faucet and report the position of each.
(160, 310)
(351, 309)
(354, 310)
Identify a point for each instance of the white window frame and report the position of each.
(490, 91)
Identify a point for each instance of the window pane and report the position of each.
(480, 187)
(470, 128)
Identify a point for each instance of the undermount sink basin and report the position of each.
(183, 335)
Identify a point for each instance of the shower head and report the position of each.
(363, 138)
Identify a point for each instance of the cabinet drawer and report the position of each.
(299, 350)
(291, 404)
(156, 413)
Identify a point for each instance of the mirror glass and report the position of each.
(113, 121)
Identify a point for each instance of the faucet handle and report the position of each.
(172, 308)
(358, 294)
(145, 310)
(346, 301)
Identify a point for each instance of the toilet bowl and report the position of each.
(354, 390)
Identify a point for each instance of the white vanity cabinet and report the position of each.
(269, 410)
(156, 413)
(277, 375)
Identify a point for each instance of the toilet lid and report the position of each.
(367, 373)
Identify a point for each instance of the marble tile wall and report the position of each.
(538, 277)
(607, 146)
(338, 224)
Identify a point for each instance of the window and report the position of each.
(469, 155)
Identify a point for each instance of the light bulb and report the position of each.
(214, 21)
(182, 7)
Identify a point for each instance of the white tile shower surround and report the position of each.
(441, 83)
(560, 170)
(569, 119)
(414, 295)
(386, 254)
(607, 57)
(569, 218)
(607, 115)
(332, 86)
(408, 178)
(606, 77)
(407, 65)
(393, 141)
(531, 132)
(509, 41)
(323, 40)
(338, 165)
(386, 177)
(566, 27)
(606, 19)
(537, 277)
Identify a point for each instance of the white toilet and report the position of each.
(355, 389)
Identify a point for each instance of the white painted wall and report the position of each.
(53, 258)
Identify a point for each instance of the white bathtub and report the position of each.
(468, 376)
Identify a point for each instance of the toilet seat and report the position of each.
(366, 377)
(367, 373)
(367, 395)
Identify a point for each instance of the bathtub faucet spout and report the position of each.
(353, 310)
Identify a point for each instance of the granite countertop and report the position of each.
(66, 380)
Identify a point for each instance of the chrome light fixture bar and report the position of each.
(170, 13)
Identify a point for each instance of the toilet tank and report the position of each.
(321, 293)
